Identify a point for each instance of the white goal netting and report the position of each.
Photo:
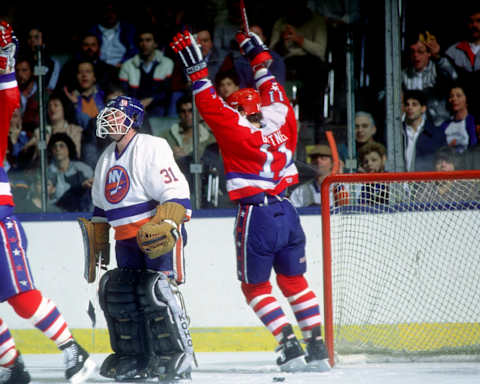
(405, 264)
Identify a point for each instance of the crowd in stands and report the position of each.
(117, 55)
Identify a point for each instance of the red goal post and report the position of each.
(401, 264)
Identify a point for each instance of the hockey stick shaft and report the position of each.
(243, 12)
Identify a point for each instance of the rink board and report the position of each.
(238, 339)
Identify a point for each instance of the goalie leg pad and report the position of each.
(126, 326)
(166, 325)
(118, 300)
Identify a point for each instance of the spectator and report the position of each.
(308, 194)
(365, 130)
(300, 38)
(226, 83)
(32, 203)
(116, 37)
(147, 75)
(87, 98)
(89, 51)
(213, 56)
(431, 73)
(28, 94)
(72, 178)
(465, 55)
(17, 155)
(455, 192)
(60, 115)
(373, 157)
(35, 39)
(460, 130)
(239, 63)
(180, 135)
(214, 170)
(421, 137)
(447, 160)
(226, 28)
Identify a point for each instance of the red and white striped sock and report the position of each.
(269, 311)
(307, 311)
(266, 307)
(8, 352)
(48, 319)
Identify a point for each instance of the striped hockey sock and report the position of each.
(48, 319)
(269, 311)
(307, 311)
(8, 352)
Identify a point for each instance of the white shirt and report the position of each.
(412, 136)
(457, 135)
(475, 48)
(129, 186)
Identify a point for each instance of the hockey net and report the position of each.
(401, 263)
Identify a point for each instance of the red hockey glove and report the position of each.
(7, 48)
(6, 34)
(185, 46)
(254, 49)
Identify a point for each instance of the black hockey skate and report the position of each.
(182, 378)
(291, 357)
(126, 367)
(317, 355)
(79, 366)
(168, 369)
(15, 374)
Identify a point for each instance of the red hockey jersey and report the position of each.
(255, 159)
(9, 101)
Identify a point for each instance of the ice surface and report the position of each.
(260, 368)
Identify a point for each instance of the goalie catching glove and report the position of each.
(159, 235)
(185, 46)
(254, 49)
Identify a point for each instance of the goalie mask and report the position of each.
(119, 115)
(247, 100)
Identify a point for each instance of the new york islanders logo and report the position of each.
(117, 184)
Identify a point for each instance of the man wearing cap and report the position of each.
(308, 194)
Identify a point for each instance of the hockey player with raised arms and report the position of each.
(16, 283)
(257, 134)
(139, 190)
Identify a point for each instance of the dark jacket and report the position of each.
(430, 139)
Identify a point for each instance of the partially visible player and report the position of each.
(257, 135)
(16, 282)
(140, 191)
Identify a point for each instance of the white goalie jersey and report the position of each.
(128, 186)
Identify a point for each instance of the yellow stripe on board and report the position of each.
(411, 337)
(223, 339)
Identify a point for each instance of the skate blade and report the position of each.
(84, 373)
(318, 366)
(295, 365)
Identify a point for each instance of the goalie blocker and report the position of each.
(96, 246)
(148, 327)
